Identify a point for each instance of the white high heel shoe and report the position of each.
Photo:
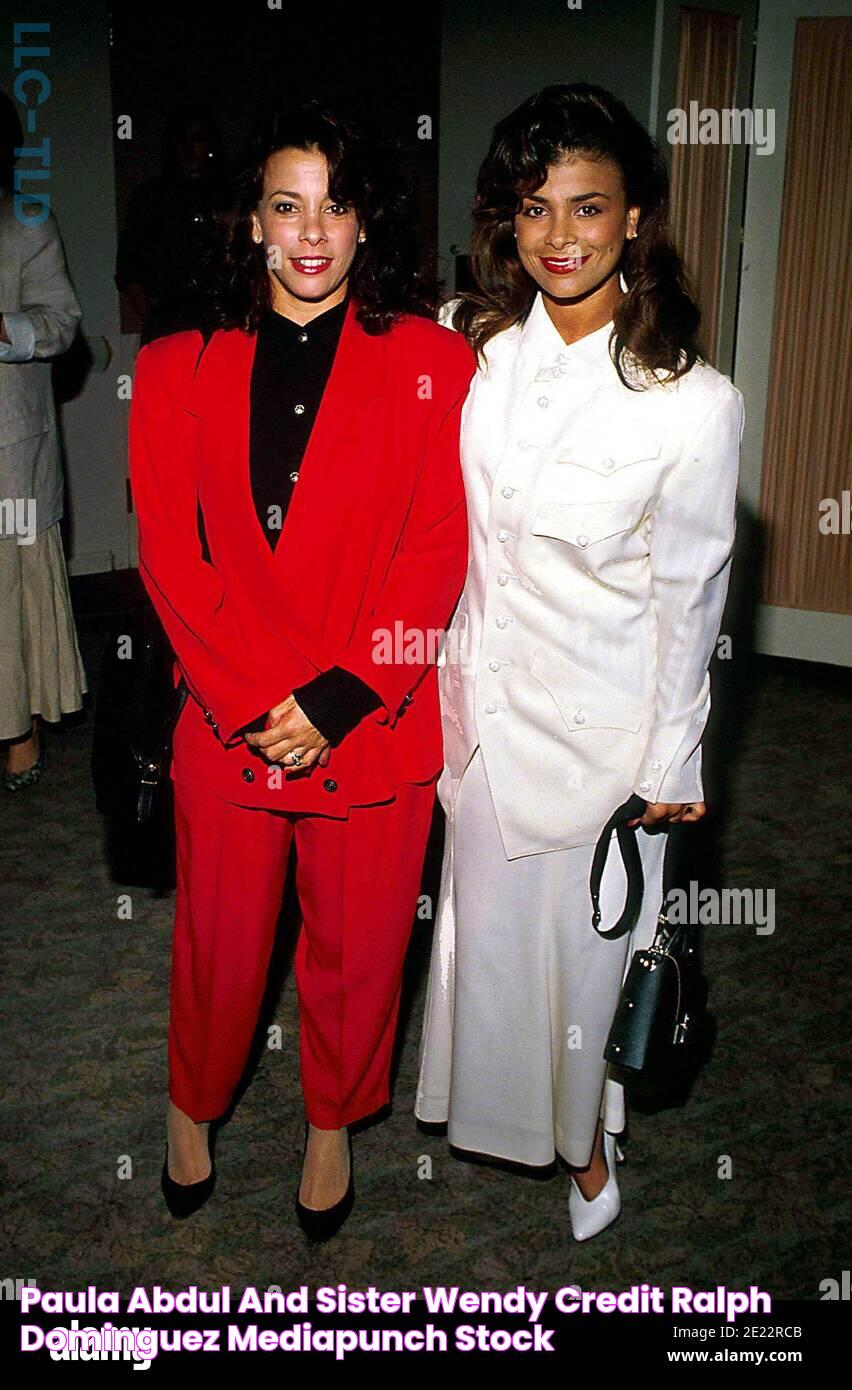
(589, 1218)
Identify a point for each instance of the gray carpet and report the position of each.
(84, 1038)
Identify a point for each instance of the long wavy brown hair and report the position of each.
(656, 323)
(364, 171)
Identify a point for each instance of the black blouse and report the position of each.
(292, 365)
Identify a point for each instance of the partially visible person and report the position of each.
(41, 670)
(176, 229)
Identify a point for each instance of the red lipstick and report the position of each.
(311, 265)
(564, 265)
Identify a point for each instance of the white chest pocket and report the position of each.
(609, 447)
(585, 524)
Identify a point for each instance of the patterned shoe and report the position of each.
(17, 781)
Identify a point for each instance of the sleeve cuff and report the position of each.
(676, 784)
(336, 701)
(21, 334)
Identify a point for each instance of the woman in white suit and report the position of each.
(600, 455)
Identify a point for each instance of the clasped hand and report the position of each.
(670, 812)
(288, 730)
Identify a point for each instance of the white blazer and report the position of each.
(601, 529)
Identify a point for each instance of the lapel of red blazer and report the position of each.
(220, 400)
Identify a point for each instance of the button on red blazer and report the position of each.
(375, 539)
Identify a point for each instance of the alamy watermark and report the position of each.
(835, 517)
(722, 907)
(18, 519)
(416, 646)
(707, 125)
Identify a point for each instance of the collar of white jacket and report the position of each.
(543, 348)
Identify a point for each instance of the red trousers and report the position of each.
(357, 881)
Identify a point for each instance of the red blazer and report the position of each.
(375, 538)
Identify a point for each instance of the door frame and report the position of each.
(790, 632)
(663, 84)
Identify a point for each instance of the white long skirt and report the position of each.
(522, 989)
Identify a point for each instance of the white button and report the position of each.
(609, 463)
(655, 767)
(494, 665)
(502, 579)
(543, 401)
(644, 786)
(579, 717)
(582, 540)
(294, 477)
(298, 410)
(501, 622)
(557, 371)
(490, 709)
(508, 492)
(301, 337)
(502, 535)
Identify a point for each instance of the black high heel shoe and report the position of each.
(182, 1199)
(321, 1225)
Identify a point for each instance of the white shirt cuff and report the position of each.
(20, 331)
(677, 783)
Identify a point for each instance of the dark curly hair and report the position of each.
(363, 173)
(656, 323)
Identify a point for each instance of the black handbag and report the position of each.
(664, 994)
(137, 708)
(136, 711)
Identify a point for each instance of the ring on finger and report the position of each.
(296, 759)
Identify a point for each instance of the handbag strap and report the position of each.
(181, 697)
(633, 808)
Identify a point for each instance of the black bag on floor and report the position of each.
(137, 708)
(136, 711)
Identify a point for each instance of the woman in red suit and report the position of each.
(303, 537)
